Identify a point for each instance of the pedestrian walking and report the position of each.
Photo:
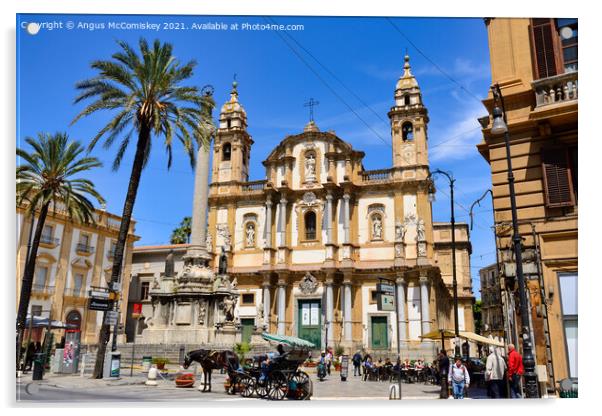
(328, 360)
(459, 378)
(515, 371)
(443, 363)
(29, 353)
(357, 362)
(494, 374)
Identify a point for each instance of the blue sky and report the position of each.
(366, 54)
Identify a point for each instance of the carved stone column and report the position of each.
(266, 303)
(329, 309)
(424, 304)
(346, 219)
(347, 320)
(281, 306)
(402, 285)
(268, 222)
(282, 229)
(329, 218)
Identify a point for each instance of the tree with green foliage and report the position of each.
(47, 182)
(478, 316)
(181, 235)
(142, 91)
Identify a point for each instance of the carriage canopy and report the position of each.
(288, 340)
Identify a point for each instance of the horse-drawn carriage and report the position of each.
(275, 376)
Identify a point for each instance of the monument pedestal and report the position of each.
(228, 333)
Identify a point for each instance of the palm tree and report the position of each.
(144, 95)
(45, 176)
(181, 234)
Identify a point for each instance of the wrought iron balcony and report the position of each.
(45, 239)
(85, 248)
(380, 175)
(556, 89)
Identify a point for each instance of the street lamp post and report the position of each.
(453, 237)
(500, 127)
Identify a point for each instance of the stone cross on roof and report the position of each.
(311, 103)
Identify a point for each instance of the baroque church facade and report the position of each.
(307, 245)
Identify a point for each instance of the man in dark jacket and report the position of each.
(357, 362)
(443, 362)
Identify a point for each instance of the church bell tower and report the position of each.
(232, 148)
(409, 119)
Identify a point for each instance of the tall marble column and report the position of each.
(281, 307)
(402, 307)
(198, 233)
(282, 228)
(329, 310)
(329, 218)
(266, 303)
(424, 305)
(347, 321)
(346, 219)
(268, 222)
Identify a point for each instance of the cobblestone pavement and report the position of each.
(74, 388)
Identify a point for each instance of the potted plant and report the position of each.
(160, 362)
(310, 363)
(241, 349)
(337, 365)
(184, 379)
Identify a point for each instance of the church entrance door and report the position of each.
(379, 332)
(309, 321)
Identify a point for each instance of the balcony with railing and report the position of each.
(556, 89)
(49, 240)
(375, 176)
(42, 289)
(253, 186)
(84, 248)
(76, 293)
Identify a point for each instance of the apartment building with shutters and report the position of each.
(535, 63)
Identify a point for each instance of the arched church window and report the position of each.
(376, 225)
(407, 131)
(310, 225)
(227, 152)
(406, 100)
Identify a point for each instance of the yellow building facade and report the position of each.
(534, 61)
(72, 258)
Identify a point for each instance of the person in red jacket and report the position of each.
(515, 371)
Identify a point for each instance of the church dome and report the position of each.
(407, 80)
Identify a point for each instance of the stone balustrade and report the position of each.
(556, 89)
(379, 175)
(254, 186)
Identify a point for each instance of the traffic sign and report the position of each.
(97, 304)
(99, 294)
(111, 318)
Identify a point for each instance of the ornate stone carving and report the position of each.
(310, 167)
(420, 236)
(421, 249)
(250, 233)
(169, 264)
(377, 228)
(309, 284)
(223, 262)
(309, 198)
(202, 313)
(224, 232)
(228, 305)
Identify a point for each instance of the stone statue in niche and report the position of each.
(250, 235)
(169, 264)
(310, 166)
(377, 228)
(229, 303)
(399, 231)
(420, 230)
(223, 262)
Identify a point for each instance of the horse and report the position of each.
(214, 360)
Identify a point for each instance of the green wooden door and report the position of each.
(309, 321)
(248, 325)
(380, 335)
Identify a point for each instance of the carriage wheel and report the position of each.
(277, 386)
(304, 385)
(246, 386)
(261, 388)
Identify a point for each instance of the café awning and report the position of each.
(441, 334)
